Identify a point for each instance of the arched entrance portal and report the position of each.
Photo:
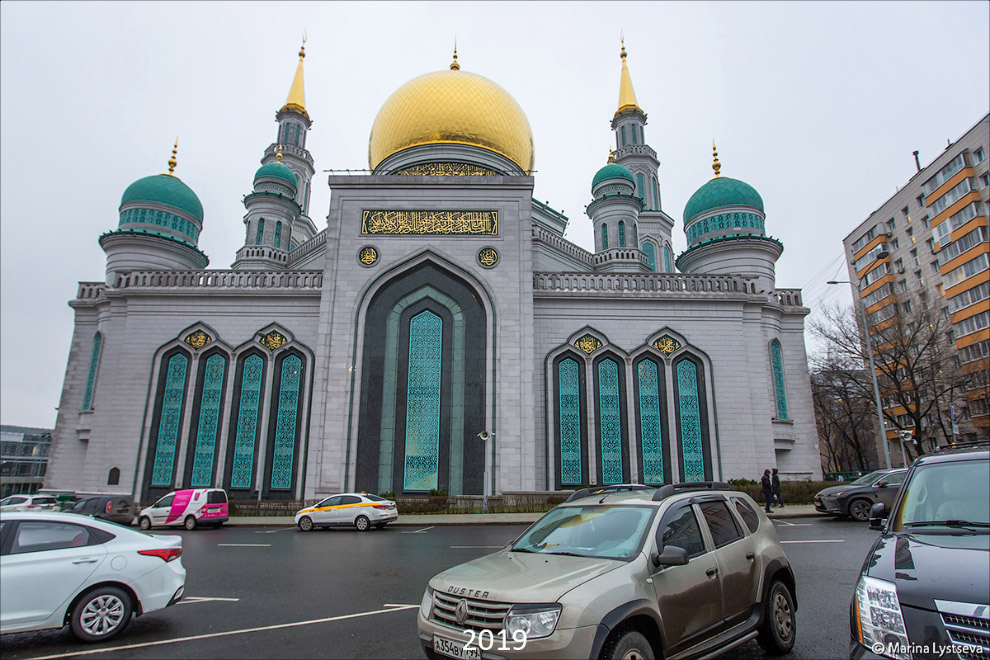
(423, 385)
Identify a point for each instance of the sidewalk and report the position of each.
(434, 519)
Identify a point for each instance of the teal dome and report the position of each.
(719, 192)
(277, 171)
(164, 189)
(613, 171)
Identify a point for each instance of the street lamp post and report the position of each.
(883, 254)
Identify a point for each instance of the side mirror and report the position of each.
(672, 555)
(878, 513)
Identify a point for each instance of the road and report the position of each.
(280, 593)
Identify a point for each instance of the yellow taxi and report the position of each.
(360, 510)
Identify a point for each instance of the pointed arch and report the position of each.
(207, 414)
(166, 422)
(652, 418)
(243, 438)
(691, 400)
(777, 371)
(609, 372)
(570, 417)
(622, 233)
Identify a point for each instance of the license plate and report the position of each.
(454, 649)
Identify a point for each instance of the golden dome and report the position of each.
(452, 107)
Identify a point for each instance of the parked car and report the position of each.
(924, 586)
(360, 510)
(59, 569)
(187, 508)
(29, 503)
(115, 508)
(856, 498)
(685, 571)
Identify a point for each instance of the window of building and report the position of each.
(891, 225)
(904, 212)
(914, 257)
(113, 478)
(899, 266)
(94, 363)
(930, 243)
(984, 181)
(623, 131)
(622, 234)
(261, 231)
(919, 279)
(777, 369)
(894, 244)
(604, 236)
(943, 175)
(978, 155)
(921, 200)
(927, 222)
(906, 306)
(910, 234)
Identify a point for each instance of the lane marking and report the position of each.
(391, 607)
(464, 547)
(818, 541)
(783, 522)
(205, 599)
(275, 531)
(419, 531)
(244, 545)
(796, 524)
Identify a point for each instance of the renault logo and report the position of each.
(461, 612)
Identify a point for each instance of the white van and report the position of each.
(188, 508)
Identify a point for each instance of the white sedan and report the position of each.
(360, 510)
(29, 503)
(63, 568)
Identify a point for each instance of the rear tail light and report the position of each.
(33, 506)
(108, 506)
(381, 506)
(168, 554)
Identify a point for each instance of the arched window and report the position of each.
(610, 411)
(656, 194)
(422, 451)
(623, 130)
(651, 256)
(278, 234)
(113, 478)
(633, 130)
(640, 187)
(667, 260)
(248, 391)
(604, 236)
(635, 235)
(692, 422)
(777, 367)
(285, 421)
(570, 420)
(261, 231)
(652, 421)
(622, 234)
(94, 363)
(168, 418)
(206, 420)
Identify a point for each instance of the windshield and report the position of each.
(612, 532)
(946, 495)
(867, 478)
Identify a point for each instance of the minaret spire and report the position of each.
(715, 165)
(454, 66)
(297, 93)
(627, 97)
(171, 161)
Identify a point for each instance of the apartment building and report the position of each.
(928, 245)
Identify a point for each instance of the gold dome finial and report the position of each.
(715, 165)
(622, 53)
(454, 66)
(302, 49)
(171, 161)
(611, 155)
(278, 156)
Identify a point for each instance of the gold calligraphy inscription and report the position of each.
(198, 339)
(448, 169)
(368, 256)
(666, 345)
(273, 340)
(588, 344)
(488, 257)
(465, 223)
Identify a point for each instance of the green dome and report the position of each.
(613, 171)
(277, 171)
(164, 189)
(719, 192)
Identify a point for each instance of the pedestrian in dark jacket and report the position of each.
(767, 489)
(775, 485)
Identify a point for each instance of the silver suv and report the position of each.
(683, 571)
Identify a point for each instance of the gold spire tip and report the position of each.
(302, 49)
(715, 165)
(454, 66)
(622, 53)
(611, 156)
(278, 156)
(171, 161)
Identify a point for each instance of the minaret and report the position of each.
(272, 214)
(293, 124)
(614, 212)
(636, 155)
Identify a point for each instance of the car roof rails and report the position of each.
(673, 489)
(953, 446)
(599, 490)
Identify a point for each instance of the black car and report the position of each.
(856, 498)
(924, 587)
(115, 508)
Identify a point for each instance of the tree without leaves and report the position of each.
(844, 417)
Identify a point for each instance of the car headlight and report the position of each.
(426, 607)
(535, 621)
(879, 619)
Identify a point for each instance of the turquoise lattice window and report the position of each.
(422, 453)
(209, 421)
(278, 234)
(604, 236)
(777, 365)
(261, 231)
(656, 194)
(242, 466)
(692, 453)
(667, 260)
(569, 421)
(284, 447)
(609, 422)
(640, 187)
(170, 421)
(623, 130)
(651, 255)
(94, 364)
(622, 234)
(651, 428)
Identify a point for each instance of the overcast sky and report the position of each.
(816, 105)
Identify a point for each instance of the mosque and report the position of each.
(440, 334)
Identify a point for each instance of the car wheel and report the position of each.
(144, 523)
(189, 523)
(776, 635)
(305, 524)
(362, 523)
(629, 646)
(101, 614)
(860, 510)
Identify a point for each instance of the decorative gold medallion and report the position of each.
(488, 257)
(588, 344)
(368, 255)
(666, 344)
(198, 339)
(448, 169)
(465, 223)
(273, 340)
